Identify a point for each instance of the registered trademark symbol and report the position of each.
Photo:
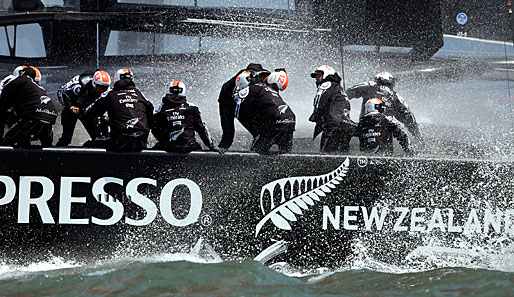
(362, 161)
(206, 220)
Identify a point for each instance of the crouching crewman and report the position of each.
(75, 96)
(130, 115)
(35, 111)
(376, 130)
(177, 120)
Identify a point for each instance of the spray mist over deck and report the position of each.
(462, 101)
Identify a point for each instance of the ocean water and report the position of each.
(190, 275)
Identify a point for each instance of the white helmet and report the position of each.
(177, 87)
(280, 78)
(385, 79)
(123, 73)
(21, 69)
(243, 79)
(101, 78)
(374, 106)
(324, 70)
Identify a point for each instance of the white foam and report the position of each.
(17, 271)
(58, 266)
(492, 253)
(101, 272)
(175, 257)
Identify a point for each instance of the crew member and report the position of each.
(76, 95)
(383, 87)
(15, 74)
(331, 112)
(10, 118)
(263, 112)
(227, 105)
(130, 115)
(35, 111)
(244, 108)
(177, 120)
(376, 130)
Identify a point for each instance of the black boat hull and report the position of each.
(315, 209)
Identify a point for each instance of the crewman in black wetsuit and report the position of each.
(263, 112)
(35, 112)
(130, 115)
(177, 120)
(383, 87)
(10, 118)
(377, 130)
(76, 95)
(331, 112)
(15, 74)
(227, 105)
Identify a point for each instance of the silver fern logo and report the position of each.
(174, 135)
(282, 108)
(310, 190)
(132, 123)
(45, 99)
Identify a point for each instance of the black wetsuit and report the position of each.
(130, 117)
(35, 111)
(5, 81)
(227, 106)
(394, 103)
(267, 117)
(376, 132)
(74, 94)
(332, 116)
(9, 117)
(176, 121)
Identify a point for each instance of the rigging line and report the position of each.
(342, 65)
(11, 49)
(15, 40)
(507, 64)
(341, 42)
(97, 37)
(97, 46)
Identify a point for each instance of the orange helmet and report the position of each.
(243, 79)
(38, 74)
(177, 87)
(123, 73)
(374, 106)
(21, 69)
(101, 78)
(280, 78)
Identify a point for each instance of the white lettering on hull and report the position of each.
(46, 188)
(404, 219)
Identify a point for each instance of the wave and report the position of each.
(466, 255)
(168, 275)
